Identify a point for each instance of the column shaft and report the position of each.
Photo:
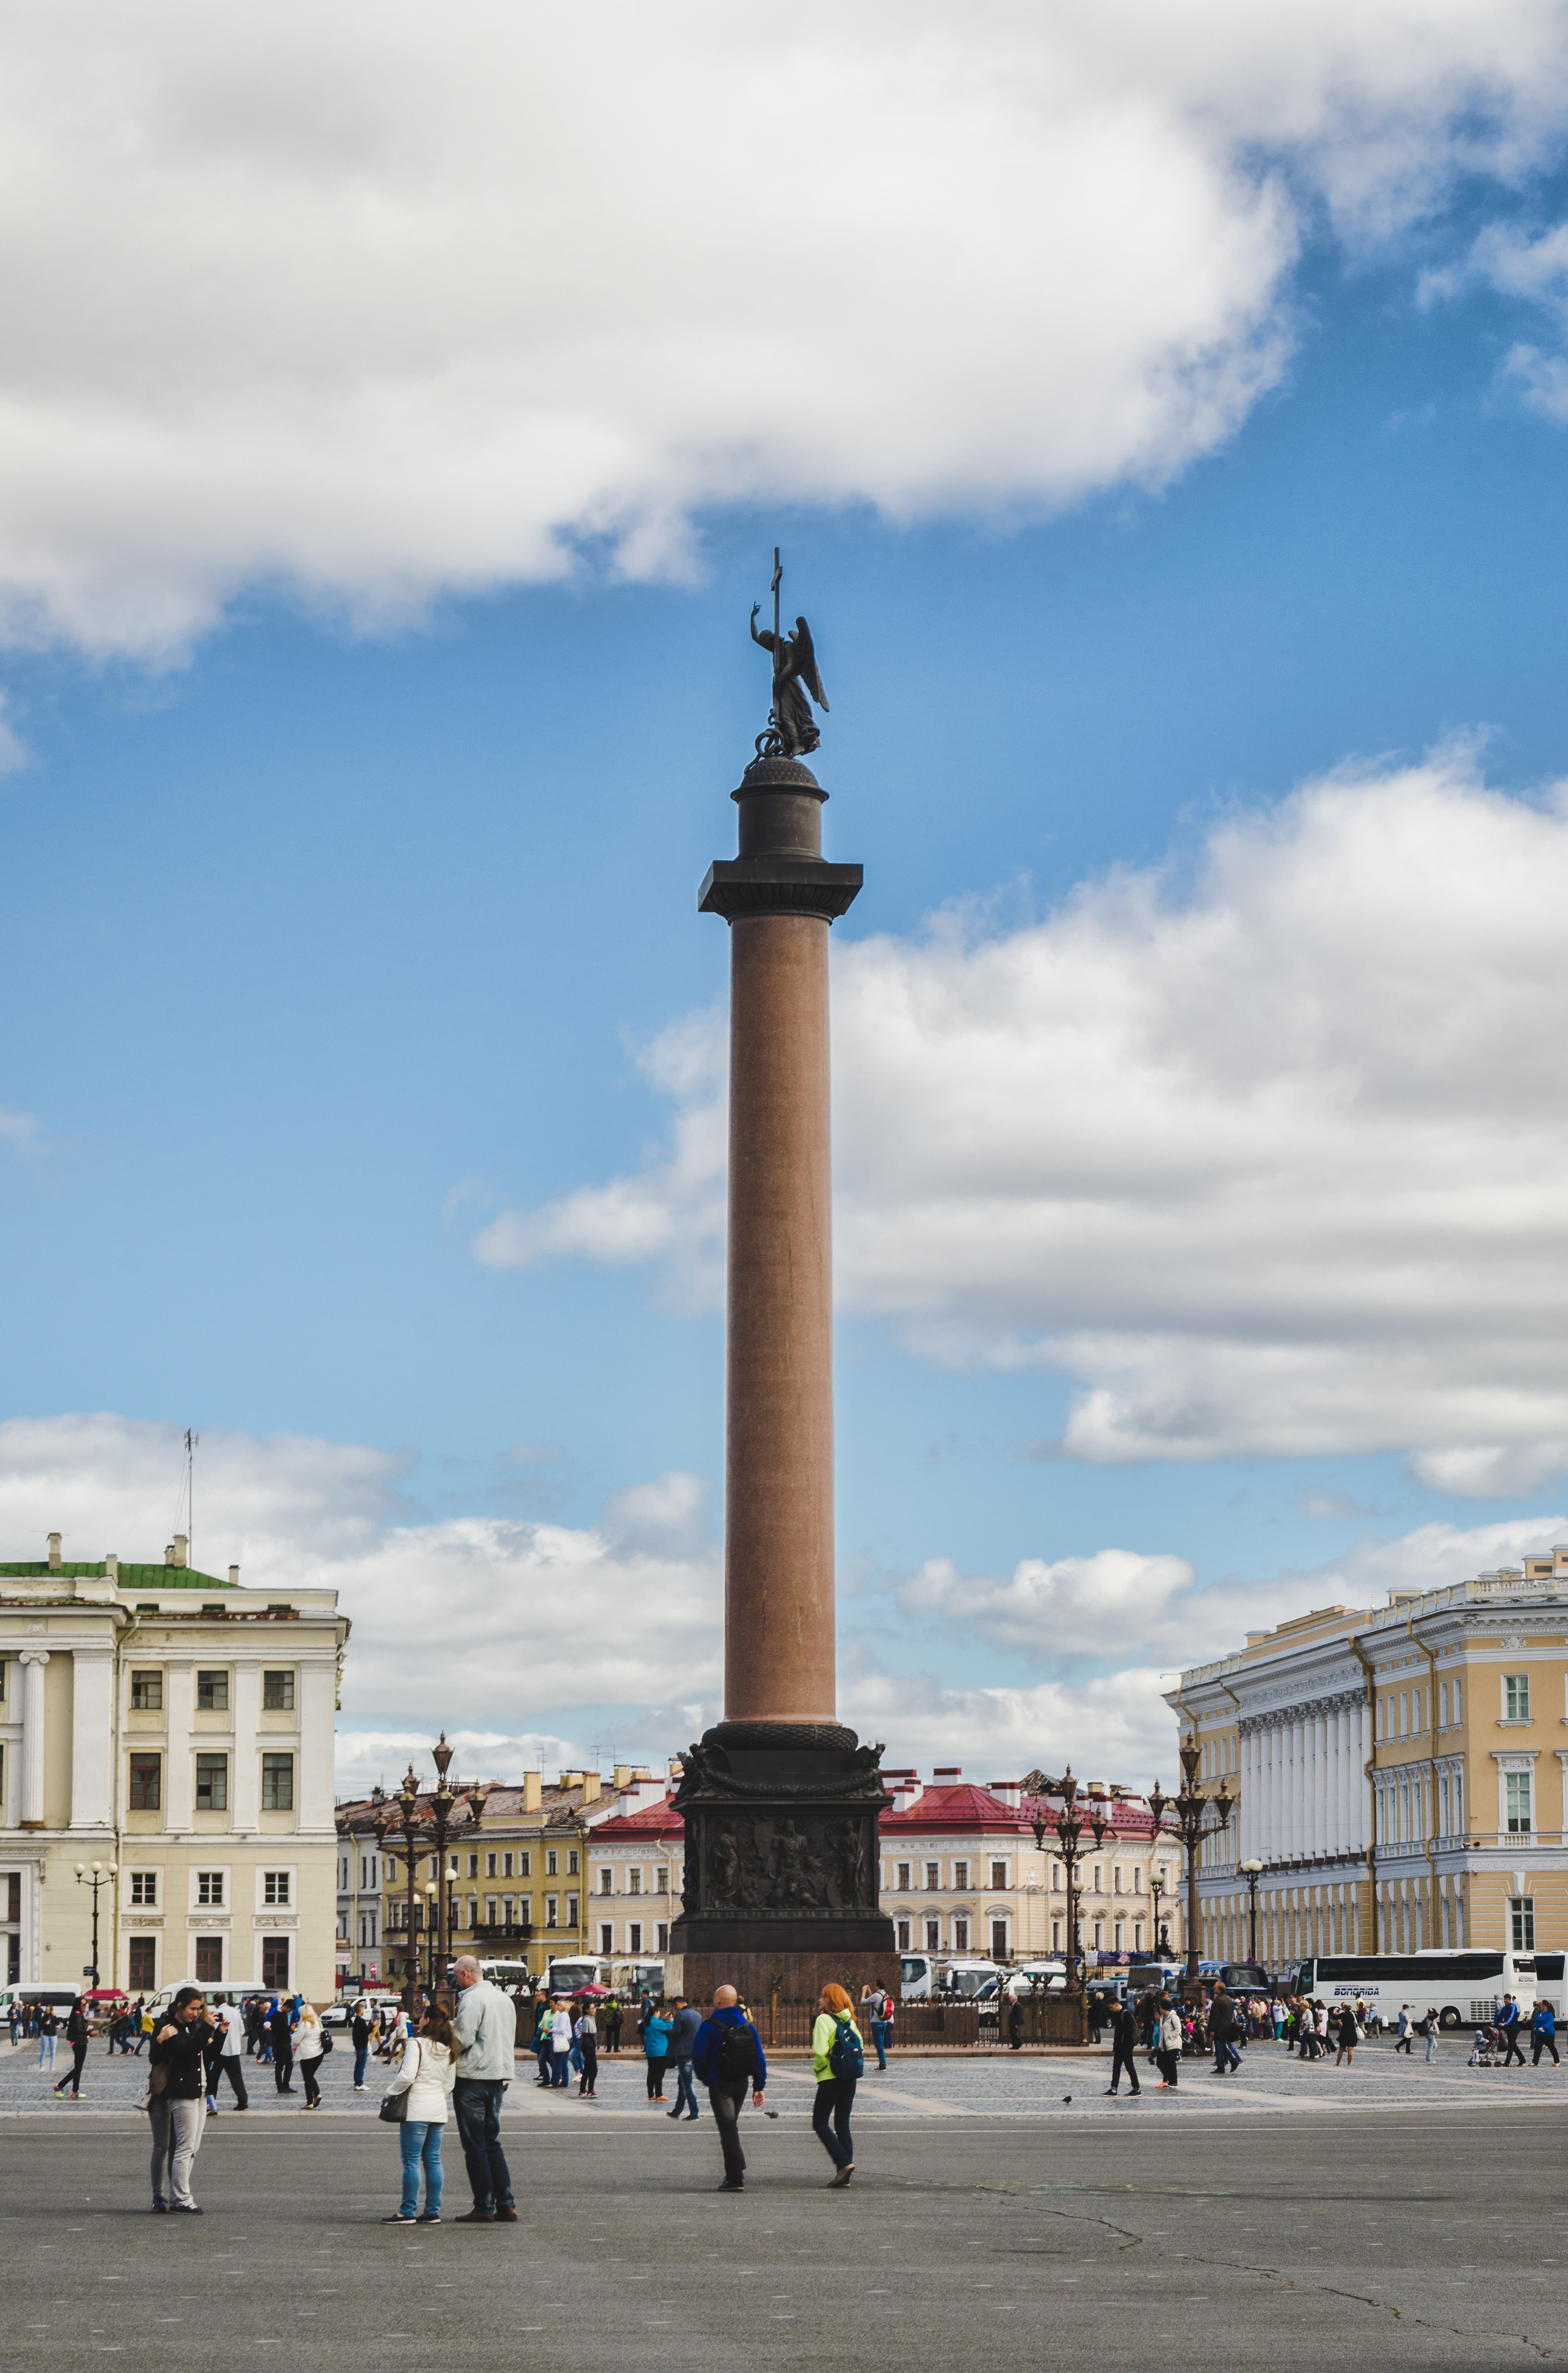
(779, 1660)
(33, 1661)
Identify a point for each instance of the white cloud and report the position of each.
(487, 1628)
(374, 301)
(1270, 1164)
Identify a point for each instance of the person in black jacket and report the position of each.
(1123, 2044)
(179, 2106)
(77, 2034)
(281, 2030)
(1222, 2032)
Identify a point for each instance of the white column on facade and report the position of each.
(1312, 1770)
(1277, 1790)
(246, 1798)
(1298, 1786)
(92, 1738)
(1324, 1789)
(1244, 1781)
(180, 1710)
(32, 1661)
(1331, 1794)
(317, 1687)
(1347, 1780)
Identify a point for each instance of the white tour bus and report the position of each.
(564, 1977)
(1463, 1988)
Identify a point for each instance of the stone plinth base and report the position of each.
(793, 1976)
(780, 1881)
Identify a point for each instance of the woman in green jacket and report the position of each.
(835, 2034)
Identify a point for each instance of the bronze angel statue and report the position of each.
(792, 730)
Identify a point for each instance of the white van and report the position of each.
(917, 1977)
(62, 1996)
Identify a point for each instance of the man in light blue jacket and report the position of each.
(487, 2031)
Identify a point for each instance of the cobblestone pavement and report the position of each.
(1271, 2081)
(1422, 2236)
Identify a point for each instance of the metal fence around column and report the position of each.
(938, 2027)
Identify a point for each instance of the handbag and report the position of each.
(326, 2041)
(394, 2106)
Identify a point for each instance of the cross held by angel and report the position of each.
(792, 730)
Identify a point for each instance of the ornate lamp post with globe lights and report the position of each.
(101, 1873)
(1069, 1828)
(403, 1817)
(1156, 1889)
(1192, 1810)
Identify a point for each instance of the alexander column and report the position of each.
(780, 1802)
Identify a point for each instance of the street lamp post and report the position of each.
(1191, 1808)
(441, 1806)
(1162, 1937)
(1069, 1832)
(1254, 1870)
(433, 1898)
(102, 1874)
(407, 1802)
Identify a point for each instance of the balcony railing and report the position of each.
(501, 1932)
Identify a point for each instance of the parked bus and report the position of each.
(1463, 1988)
(564, 1977)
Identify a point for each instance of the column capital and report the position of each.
(34, 1656)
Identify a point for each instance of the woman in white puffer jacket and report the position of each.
(427, 2073)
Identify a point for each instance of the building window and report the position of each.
(1056, 1887)
(507, 1913)
(209, 1886)
(571, 1861)
(998, 1874)
(1056, 1936)
(1443, 1830)
(1099, 1879)
(211, 1692)
(552, 1911)
(661, 1880)
(277, 1784)
(960, 1875)
(212, 1784)
(144, 1887)
(663, 1935)
(551, 1862)
(934, 1936)
(274, 1885)
(1522, 1915)
(932, 1877)
(146, 1692)
(1442, 1705)
(1115, 1944)
(1404, 1714)
(525, 1866)
(1116, 1879)
(1099, 1934)
(1516, 1697)
(1519, 1802)
(1457, 1716)
(1137, 1878)
(472, 1920)
(505, 1865)
(999, 1940)
(1137, 1935)
(146, 1783)
(606, 1881)
(490, 1866)
(274, 1963)
(903, 1878)
(570, 1911)
(277, 1692)
(209, 1961)
(142, 1972)
(903, 1935)
(634, 1937)
(490, 1912)
(960, 1935)
(634, 1881)
(606, 1938)
(473, 1865)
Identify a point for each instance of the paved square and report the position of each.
(1283, 2225)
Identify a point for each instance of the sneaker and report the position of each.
(183, 2208)
(738, 2184)
(674, 2113)
(160, 2208)
(399, 2219)
(424, 2219)
(1110, 2092)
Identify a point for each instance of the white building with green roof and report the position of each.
(180, 1729)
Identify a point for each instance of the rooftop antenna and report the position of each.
(191, 1442)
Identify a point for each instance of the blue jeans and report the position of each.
(46, 2044)
(560, 2067)
(421, 2139)
(834, 2101)
(361, 2061)
(685, 2091)
(882, 2036)
(477, 2100)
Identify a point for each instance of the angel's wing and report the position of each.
(807, 663)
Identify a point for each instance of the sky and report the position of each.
(1162, 412)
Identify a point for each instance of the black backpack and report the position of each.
(738, 2055)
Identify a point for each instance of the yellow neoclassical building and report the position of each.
(1400, 1772)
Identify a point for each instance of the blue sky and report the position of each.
(353, 909)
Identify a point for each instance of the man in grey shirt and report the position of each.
(487, 2030)
(684, 2023)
